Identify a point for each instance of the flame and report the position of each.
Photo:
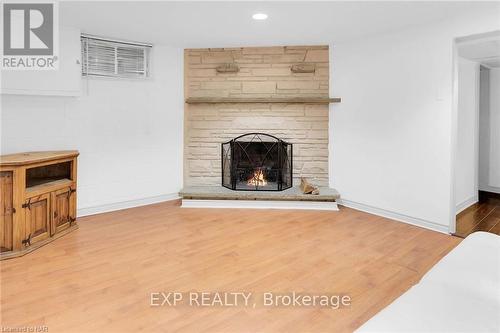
(257, 179)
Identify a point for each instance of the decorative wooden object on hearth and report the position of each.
(37, 199)
(308, 188)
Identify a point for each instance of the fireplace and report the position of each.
(256, 162)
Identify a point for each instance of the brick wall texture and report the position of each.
(264, 72)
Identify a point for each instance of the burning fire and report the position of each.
(257, 179)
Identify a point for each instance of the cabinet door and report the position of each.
(61, 201)
(37, 210)
(6, 211)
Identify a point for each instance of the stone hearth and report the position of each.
(292, 198)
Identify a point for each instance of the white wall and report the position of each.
(489, 162)
(129, 133)
(494, 179)
(392, 135)
(466, 158)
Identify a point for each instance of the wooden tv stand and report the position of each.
(37, 199)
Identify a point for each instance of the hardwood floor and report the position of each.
(99, 277)
(482, 216)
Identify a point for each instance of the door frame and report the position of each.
(473, 39)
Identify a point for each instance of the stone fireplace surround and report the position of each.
(264, 72)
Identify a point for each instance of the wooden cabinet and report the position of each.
(37, 199)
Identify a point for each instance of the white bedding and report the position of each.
(461, 293)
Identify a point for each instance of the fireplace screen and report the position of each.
(257, 162)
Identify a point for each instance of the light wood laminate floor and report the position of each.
(99, 277)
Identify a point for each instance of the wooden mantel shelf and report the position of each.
(304, 100)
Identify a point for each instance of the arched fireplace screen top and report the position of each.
(257, 162)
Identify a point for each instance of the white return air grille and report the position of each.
(111, 58)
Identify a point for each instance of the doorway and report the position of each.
(477, 146)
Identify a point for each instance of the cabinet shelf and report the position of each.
(47, 185)
(302, 100)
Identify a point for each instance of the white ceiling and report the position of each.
(223, 24)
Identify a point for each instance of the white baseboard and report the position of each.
(491, 189)
(260, 204)
(125, 204)
(466, 204)
(395, 216)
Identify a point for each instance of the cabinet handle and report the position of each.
(70, 192)
(9, 211)
(27, 205)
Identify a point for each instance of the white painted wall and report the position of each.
(466, 158)
(489, 159)
(129, 133)
(392, 137)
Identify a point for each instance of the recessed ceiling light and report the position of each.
(259, 16)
